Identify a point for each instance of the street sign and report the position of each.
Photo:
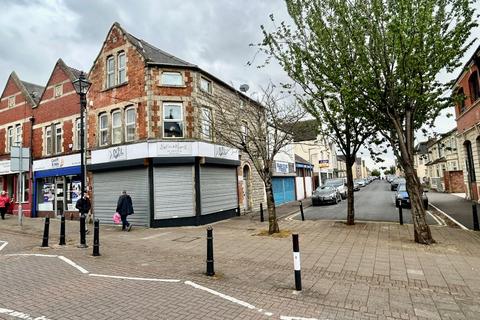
(15, 164)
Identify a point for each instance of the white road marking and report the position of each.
(227, 297)
(133, 278)
(435, 218)
(20, 315)
(3, 245)
(73, 264)
(32, 255)
(296, 318)
(458, 223)
(290, 217)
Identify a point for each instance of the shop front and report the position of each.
(283, 182)
(57, 186)
(170, 183)
(9, 184)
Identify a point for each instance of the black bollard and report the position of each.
(210, 267)
(261, 213)
(400, 213)
(296, 263)
(301, 211)
(45, 232)
(62, 231)
(476, 226)
(83, 242)
(238, 211)
(96, 238)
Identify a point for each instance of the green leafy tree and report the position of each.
(395, 50)
(376, 173)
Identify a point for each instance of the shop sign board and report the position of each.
(57, 162)
(281, 167)
(323, 163)
(174, 149)
(5, 167)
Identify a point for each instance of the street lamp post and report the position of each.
(81, 86)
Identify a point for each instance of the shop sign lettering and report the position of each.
(57, 162)
(281, 167)
(174, 148)
(225, 152)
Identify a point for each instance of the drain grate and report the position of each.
(186, 239)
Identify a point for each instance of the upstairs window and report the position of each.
(172, 120)
(18, 134)
(206, 85)
(48, 141)
(171, 79)
(474, 89)
(58, 90)
(121, 68)
(11, 102)
(206, 123)
(103, 129)
(110, 72)
(130, 119)
(78, 134)
(10, 140)
(461, 98)
(58, 138)
(116, 127)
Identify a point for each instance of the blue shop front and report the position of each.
(56, 186)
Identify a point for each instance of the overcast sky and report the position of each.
(213, 34)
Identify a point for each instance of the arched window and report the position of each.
(461, 99)
(474, 89)
(470, 163)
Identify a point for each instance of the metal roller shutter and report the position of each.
(218, 189)
(108, 186)
(174, 192)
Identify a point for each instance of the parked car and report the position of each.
(361, 182)
(394, 184)
(339, 184)
(356, 186)
(402, 199)
(326, 194)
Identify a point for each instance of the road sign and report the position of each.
(15, 164)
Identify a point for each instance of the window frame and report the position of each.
(210, 85)
(474, 87)
(181, 119)
(18, 134)
(204, 122)
(102, 131)
(58, 144)
(121, 69)
(162, 83)
(109, 72)
(113, 114)
(48, 132)
(128, 124)
(10, 138)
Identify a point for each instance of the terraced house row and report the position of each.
(148, 132)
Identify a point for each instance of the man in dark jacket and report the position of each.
(125, 208)
(84, 205)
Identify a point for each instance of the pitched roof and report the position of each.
(301, 160)
(31, 91)
(153, 55)
(305, 130)
(341, 157)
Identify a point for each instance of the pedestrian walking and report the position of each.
(125, 208)
(4, 203)
(84, 205)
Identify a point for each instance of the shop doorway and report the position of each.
(246, 188)
(59, 196)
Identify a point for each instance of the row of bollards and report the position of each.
(296, 258)
(83, 242)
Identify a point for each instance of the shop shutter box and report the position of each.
(108, 186)
(174, 192)
(218, 187)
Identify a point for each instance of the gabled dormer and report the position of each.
(18, 93)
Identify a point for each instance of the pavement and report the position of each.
(458, 208)
(365, 271)
(374, 202)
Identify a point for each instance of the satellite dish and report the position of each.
(244, 87)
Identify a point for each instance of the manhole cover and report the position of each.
(186, 239)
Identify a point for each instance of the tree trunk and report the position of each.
(272, 214)
(423, 234)
(350, 200)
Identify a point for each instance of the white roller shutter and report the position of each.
(218, 189)
(174, 192)
(108, 186)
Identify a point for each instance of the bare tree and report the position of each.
(260, 129)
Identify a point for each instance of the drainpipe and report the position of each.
(33, 203)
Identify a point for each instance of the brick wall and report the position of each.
(454, 181)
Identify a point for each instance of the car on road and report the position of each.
(361, 182)
(356, 186)
(402, 199)
(394, 184)
(339, 184)
(326, 194)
